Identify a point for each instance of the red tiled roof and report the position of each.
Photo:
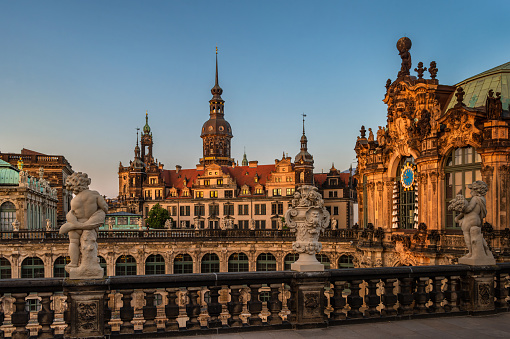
(242, 174)
(319, 179)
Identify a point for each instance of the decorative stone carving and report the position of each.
(333, 223)
(88, 211)
(15, 225)
(252, 224)
(471, 219)
(140, 224)
(110, 224)
(48, 225)
(433, 70)
(404, 45)
(307, 217)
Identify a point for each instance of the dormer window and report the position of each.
(207, 182)
(220, 182)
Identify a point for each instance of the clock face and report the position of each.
(407, 176)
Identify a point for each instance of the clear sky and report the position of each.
(76, 77)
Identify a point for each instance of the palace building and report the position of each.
(437, 140)
(219, 193)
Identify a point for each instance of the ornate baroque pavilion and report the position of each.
(437, 140)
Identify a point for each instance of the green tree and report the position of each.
(157, 217)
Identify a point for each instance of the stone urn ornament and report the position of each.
(470, 220)
(307, 218)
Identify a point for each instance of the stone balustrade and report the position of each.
(169, 305)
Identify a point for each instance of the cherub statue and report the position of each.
(88, 211)
(470, 220)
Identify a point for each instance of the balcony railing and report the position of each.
(169, 305)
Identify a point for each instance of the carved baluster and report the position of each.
(452, 294)
(501, 292)
(389, 299)
(275, 305)
(255, 306)
(46, 316)
(107, 314)
(193, 309)
(372, 300)
(172, 310)
(465, 295)
(127, 312)
(20, 317)
(405, 297)
(420, 296)
(354, 300)
(436, 295)
(291, 304)
(235, 307)
(214, 307)
(150, 312)
(2, 317)
(338, 301)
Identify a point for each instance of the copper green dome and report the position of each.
(8, 174)
(477, 87)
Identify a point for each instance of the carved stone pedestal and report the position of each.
(480, 286)
(86, 308)
(309, 300)
(307, 263)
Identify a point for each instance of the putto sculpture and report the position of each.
(308, 218)
(470, 220)
(88, 211)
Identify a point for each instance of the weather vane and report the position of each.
(304, 115)
(216, 49)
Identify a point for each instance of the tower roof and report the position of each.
(146, 128)
(8, 174)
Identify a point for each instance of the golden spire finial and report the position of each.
(146, 112)
(216, 49)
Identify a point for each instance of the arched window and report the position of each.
(102, 263)
(462, 167)
(210, 263)
(346, 261)
(266, 262)
(125, 265)
(323, 259)
(32, 267)
(289, 260)
(5, 269)
(183, 264)
(59, 267)
(155, 264)
(406, 179)
(7, 216)
(238, 262)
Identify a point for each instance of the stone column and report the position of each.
(86, 307)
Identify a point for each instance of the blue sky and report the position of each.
(76, 77)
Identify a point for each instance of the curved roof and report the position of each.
(8, 174)
(477, 87)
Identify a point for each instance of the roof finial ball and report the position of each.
(404, 45)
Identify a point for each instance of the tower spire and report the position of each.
(216, 83)
(304, 115)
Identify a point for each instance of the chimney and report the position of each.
(177, 168)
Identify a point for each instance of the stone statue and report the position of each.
(197, 224)
(252, 224)
(307, 217)
(140, 224)
(470, 220)
(15, 225)
(404, 45)
(381, 136)
(333, 224)
(168, 224)
(88, 211)
(229, 223)
(183, 224)
(48, 225)
(111, 222)
(223, 224)
(370, 135)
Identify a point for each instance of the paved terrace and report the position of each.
(488, 326)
